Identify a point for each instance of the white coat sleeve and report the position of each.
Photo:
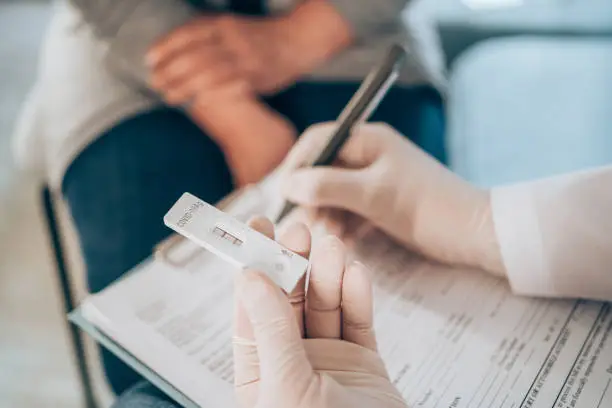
(555, 234)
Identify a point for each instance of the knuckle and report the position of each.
(320, 132)
(202, 81)
(382, 127)
(156, 82)
(384, 130)
(323, 303)
(360, 327)
(317, 189)
(378, 198)
(181, 36)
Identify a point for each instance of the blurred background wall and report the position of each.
(35, 365)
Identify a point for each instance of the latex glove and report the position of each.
(385, 178)
(336, 364)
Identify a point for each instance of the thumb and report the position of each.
(328, 187)
(279, 344)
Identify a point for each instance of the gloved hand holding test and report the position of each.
(235, 242)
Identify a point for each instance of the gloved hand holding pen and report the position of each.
(548, 237)
(384, 178)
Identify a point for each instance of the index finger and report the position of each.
(324, 297)
(297, 238)
(363, 147)
(311, 142)
(180, 39)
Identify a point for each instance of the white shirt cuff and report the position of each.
(519, 235)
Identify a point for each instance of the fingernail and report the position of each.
(296, 237)
(151, 58)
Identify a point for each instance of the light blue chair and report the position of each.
(461, 26)
(527, 107)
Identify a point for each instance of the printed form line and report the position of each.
(604, 393)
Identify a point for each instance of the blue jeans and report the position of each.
(119, 187)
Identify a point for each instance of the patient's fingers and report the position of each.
(296, 237)
(357, 307)
(323, 300)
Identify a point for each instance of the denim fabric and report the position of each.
(144, 395)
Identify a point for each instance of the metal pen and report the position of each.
(363, 103)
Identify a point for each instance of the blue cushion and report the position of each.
(530, 107)
(461, 26)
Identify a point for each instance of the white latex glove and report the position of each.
(384, 178)
(336, 365)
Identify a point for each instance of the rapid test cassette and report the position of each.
(235, 242)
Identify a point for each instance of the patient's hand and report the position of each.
(309, 350)
(253, 137)
(267, 53)
(194, 69)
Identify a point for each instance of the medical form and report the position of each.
(450, 338)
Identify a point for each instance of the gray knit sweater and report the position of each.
(131, 26)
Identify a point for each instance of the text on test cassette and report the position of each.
(235, 242)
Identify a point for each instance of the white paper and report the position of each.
(450, 338)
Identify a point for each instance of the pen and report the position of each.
(365, 101)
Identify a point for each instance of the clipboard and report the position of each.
(544, 325)
(76, 317)
(168, 251)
